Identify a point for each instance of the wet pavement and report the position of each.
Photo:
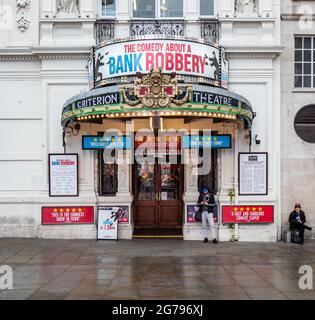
(154, 269)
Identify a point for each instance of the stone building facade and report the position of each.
(44, 53)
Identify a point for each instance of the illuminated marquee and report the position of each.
(189, 58)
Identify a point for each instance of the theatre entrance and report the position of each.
(158, 190)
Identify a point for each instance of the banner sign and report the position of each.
(67, 215)
(247, 214)
(184, 57)
(63, 175)
(193, 209)
(107, 227)
(253, 173)
(213, 98)
(105, 142)
(214, 142)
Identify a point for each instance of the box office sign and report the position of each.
(184, 57)
(247, 214)
(67, 215)
(63, 175)
(253, 174)
(193, 209)
(214, 142)
(106, 142)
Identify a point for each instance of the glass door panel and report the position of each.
(169, 179)
(146, 184)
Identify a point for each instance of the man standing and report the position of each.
(206, 203)
(297, 221)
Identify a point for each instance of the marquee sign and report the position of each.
(116, 60)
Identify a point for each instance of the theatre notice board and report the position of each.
(63, 175)
(253, 173)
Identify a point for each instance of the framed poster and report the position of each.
(253, 173)
(107, 226)
(247, 214)
(63, 175)
(67, 215)
(193, 209)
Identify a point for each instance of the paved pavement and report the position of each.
(154, 269)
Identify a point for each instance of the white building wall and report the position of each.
(298, 170)
(45, 65)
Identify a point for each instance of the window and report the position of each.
(143, 8)
(108, 177)
(304, 62)
(171, 8)
(156, 9)
(206, 8)
(108, 8)
(304, 123)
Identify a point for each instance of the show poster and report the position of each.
(224, 70)
(63, 175)
(183, 57)
(193, 209)
(247, 214)
(253, 174)
(67, 215)
(107, 227)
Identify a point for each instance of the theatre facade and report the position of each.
(114, 139)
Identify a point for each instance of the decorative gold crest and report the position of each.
(155, 90)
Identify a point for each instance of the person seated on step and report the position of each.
(297, 221)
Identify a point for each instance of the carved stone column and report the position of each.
(124, 165)
(191, 175)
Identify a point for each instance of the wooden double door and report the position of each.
(158, 189)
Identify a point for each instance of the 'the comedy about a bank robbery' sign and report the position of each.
(247, 214)
(184, 57)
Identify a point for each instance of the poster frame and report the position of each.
(266, 174)
(97, 224)
(77, 174)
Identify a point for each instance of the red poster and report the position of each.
(247, 214)
(67, 215)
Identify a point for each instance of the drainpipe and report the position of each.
(236, 182)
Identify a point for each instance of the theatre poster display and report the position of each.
(107, 227)
(253, 174)
(193, 209)
(247, 214)
(67, 215)
(63, 175)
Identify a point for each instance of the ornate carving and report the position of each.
(246, 8)
(105, 30)
(22, 4)
(68, 7)
(22, 22)
(155, 90)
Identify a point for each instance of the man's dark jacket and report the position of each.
(292, 218)
(211, 202)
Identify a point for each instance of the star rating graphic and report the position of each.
(67, 210)
(247, 209)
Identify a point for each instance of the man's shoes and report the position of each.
(301, 243)
(206, 240)
(215, 241)
(308, 228)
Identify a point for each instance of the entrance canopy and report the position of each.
(157, 95)
(157, 77)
